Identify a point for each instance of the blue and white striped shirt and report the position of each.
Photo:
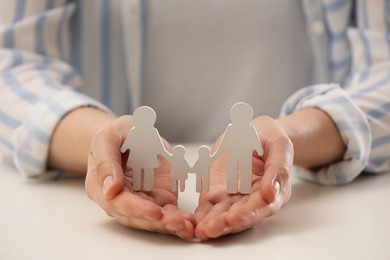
(42, 69)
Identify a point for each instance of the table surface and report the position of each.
(55, 220)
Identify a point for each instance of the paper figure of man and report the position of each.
(240, 140)
(145, 145)
(180, 168)
(202, 169)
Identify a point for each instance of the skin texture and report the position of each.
(89, 140)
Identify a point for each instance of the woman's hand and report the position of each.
(220, 213)
(109, 184)
(316, 142)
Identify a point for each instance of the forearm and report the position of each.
(72, 138)
(315, 138)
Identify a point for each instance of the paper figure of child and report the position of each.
(202, 169)
(240, 140)
(145, 145)
(180, 168)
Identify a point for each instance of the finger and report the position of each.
(214, 211)
(166, 219)
(240, 216)
(136, 211)
(257, 165)
(271, 182)
(93, 188)
(134, 206)
(167, 145)
(214, 228)
(208, 200)
(170, 221)
(184, 214)
(278, 158)
(213, 223)
(188, 232)
(248, 213)
(107, 161)
(105, 155)
(218, 226)
(159, 226)
(181, 224)
(201, 211)
(190, 218)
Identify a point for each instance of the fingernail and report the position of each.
(107, 183)
(276, 187)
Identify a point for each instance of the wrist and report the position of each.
(315, 137)
(73, 136)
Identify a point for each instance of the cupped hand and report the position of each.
(109, 184)
(220, 213)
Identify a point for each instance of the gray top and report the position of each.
(207, 55)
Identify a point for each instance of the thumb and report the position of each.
(273, 179)
(107, 161)
(111, 178)
(278, 159)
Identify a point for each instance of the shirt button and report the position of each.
(317, 27)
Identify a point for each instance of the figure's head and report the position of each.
(241, 113)
(179, 150)
(144, 116)
(204, 151)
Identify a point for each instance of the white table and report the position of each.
(55, 220)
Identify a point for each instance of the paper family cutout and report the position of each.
(240, 139)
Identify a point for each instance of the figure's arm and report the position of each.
(166, 150)
(193, 168)
(219, 145)
(219, 150)
(189, 168)
(127, 143)
(168, 157)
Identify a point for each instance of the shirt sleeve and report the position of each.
(37, 84)
(360, 108)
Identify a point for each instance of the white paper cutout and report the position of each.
(239, 140)
(180, 168)
(145, 144)
(202, 169)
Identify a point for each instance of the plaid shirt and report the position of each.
(41, 72)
